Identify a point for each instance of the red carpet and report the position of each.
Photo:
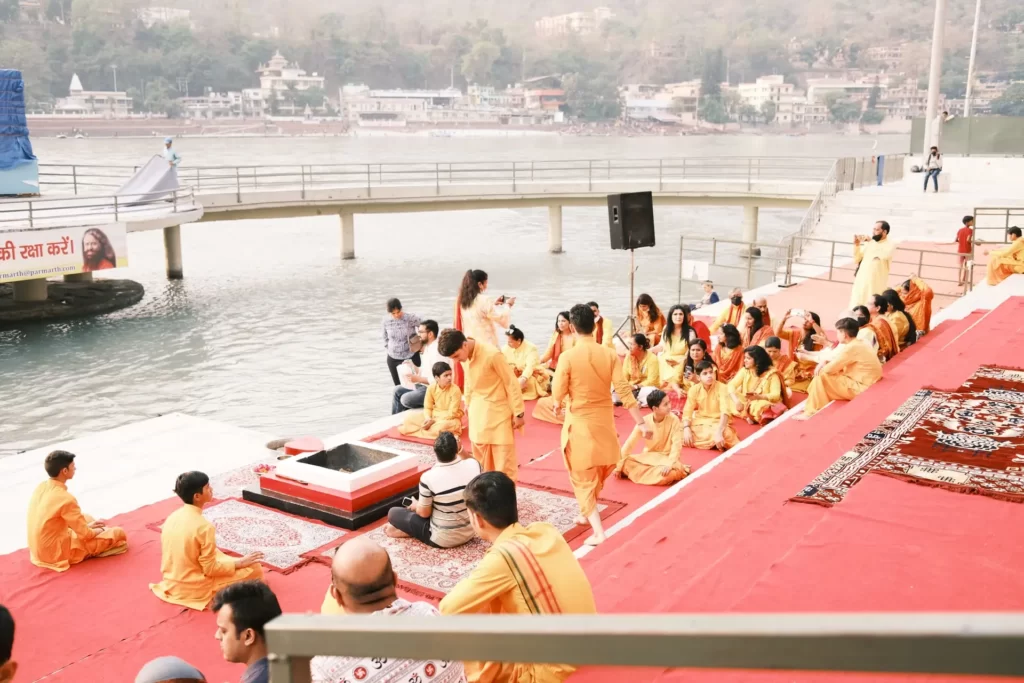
(742, 547)
(727, 542)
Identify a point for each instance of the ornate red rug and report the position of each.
(432, 572)
(970, 440)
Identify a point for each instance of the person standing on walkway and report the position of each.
(399, 328)
(590, 444)
(172, 157)
(493, 399)
(965, 246)
(873, 257)
(933, 168)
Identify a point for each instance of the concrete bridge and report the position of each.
(79, 194)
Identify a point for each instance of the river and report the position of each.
(271, 330)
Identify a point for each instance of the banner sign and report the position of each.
(31, 254)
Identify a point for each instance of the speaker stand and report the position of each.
(629, 318)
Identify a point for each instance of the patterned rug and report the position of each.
(432, 572)
(243, 528)
(969, 440)
(424, 452)
(230, 484)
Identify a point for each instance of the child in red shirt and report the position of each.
(965, 244)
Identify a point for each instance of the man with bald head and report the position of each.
(169, 670)
(761, 304)
(363, 582)
(732, 313)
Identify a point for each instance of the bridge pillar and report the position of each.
(26, 291)
(750, 214)
(555, 228)
(78, 277)
(172, 252)
(348, 235)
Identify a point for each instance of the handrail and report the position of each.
(931, 643)
(74, 178)
(28, 214)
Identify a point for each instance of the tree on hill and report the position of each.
(1011, 103)
(768, 111)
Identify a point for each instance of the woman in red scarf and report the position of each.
(753, 331)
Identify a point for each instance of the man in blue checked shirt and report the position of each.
(398, 327)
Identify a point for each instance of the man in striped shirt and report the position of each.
(439, 517)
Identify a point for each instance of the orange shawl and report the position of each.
(651, 328)
(918, 302)
(599, 331)
(728, 361)
(702, 331)
(556, 351)
(458, 377)
(760, 336)
(887, 344)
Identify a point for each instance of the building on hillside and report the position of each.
(164, 15)
(488, 96)
(889, 55)
(685, 96)
(547, 99)
(818, 89)
(82, 102)
(574, 23)
(280, 80)
(657, 111)
(639, 90)
(213, 105)
(765, 89)
(906, 101)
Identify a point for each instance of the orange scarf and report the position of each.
(702, 331)
(760, 336)
(556, 351)
(919, 303)
(458, 377)
(599, 332)
(728, 367)
(887, 344)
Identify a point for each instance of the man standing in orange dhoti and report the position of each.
(59, 535)
(590, 444)
(494, 401)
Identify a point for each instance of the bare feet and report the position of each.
(594, 539)
(392, 532)
(580, 520)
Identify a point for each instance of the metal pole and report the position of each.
(679, 292)
(74, 177)
(934, 74)
(970, 64)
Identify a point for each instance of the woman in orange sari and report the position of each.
(808, 337)
(886, 335)
(649, 319)
(917, 297)
(753, 331)
(728, 354)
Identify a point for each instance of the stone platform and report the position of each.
(70, 300)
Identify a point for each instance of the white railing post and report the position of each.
(750, 166)
(74, 177)
(660, 174)
(437, 179)
(590, 176)
(30, 214)
(238, 185)
(115, 204)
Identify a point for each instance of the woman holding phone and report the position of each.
(479, 316)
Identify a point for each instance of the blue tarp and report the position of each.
(15, 147)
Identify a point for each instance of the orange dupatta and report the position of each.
(887, 344)
(919, 303)
(728, 366)
(458, 376)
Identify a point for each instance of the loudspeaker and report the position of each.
(631, 220)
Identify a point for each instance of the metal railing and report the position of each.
(798, 258)
(927, 643)
(73, 179)
(37, 213)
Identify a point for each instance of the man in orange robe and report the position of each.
(1003, 263)
(59, 535)
(732, 313)
(192, 567)
(494, 401)
(590, 444)
(853, 368)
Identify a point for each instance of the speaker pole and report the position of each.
(629, 317)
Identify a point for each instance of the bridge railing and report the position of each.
(75, 179)
(39, 213)
(925, 643)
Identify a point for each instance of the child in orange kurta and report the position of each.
(59, 535)
(193, 568)
(442, 408)
(659, 463)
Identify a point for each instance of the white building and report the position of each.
(483, 106)
(164, 15)
(765, 89)
(84, 102)
(487, 96)
(659, 111)
(213, 105)
(818, 89)
(575, 23)
(278, 78)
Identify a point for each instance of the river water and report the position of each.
(271, 330)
